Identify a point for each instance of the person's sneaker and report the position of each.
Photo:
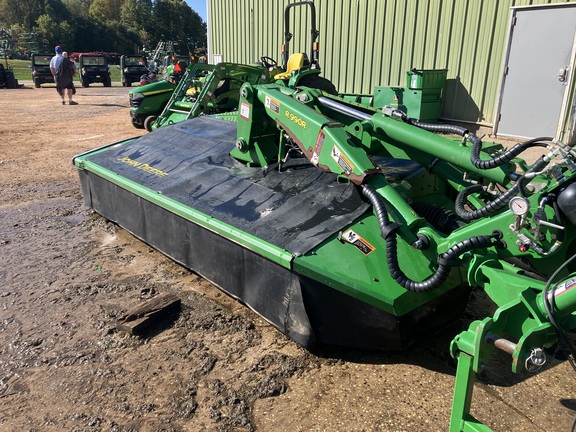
(63, 103)
(72, 103)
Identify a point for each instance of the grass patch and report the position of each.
(22, 72)
(21, 69)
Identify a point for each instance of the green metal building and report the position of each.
(365, 43)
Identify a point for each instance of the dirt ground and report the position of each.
(66, 274)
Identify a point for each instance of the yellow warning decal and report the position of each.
(361, 244)
(272, 104)
(342, 160)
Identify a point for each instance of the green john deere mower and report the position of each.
(346, 225)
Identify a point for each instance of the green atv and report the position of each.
(131, 69)
(41, 74)
(94, 69)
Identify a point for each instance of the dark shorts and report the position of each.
(60, 88)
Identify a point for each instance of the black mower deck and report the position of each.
(178, 189)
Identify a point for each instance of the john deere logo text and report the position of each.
(143, 166)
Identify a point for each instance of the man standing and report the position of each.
(62, 76)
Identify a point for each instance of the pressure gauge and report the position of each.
(519, 206)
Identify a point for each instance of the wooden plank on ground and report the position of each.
(142, 316)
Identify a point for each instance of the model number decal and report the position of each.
(361, 244)
(295, 119)
(272, 104)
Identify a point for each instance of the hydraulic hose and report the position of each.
(439, 217)
(499, 160)
(500, 201)
(436, 127)
(505, 157)
(446, 261)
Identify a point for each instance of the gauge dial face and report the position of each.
(519, 206)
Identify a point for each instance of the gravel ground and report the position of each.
(66, 274)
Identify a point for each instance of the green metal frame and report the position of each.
(272, 114)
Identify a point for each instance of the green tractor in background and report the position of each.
(220, 90)
(147, 102)
(208, 89)
(7, 79)
(149, 99)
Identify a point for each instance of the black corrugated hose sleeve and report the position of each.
(499, 202)
(435, 127)
(446, 261)
(502, 159)
(505, 157)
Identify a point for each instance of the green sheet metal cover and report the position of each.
(295, 209)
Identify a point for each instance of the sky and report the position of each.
(199, 6)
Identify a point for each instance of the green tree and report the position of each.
(111, 25)
(106, 11)
(57, 32)
(175, 20)
(23, 12)
(136, 17)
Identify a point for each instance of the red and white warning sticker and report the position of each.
(562, 288)
(318, 148)
(245, 111)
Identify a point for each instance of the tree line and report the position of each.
(121, 26)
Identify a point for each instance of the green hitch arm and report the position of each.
(435, 145)
(527, 328)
